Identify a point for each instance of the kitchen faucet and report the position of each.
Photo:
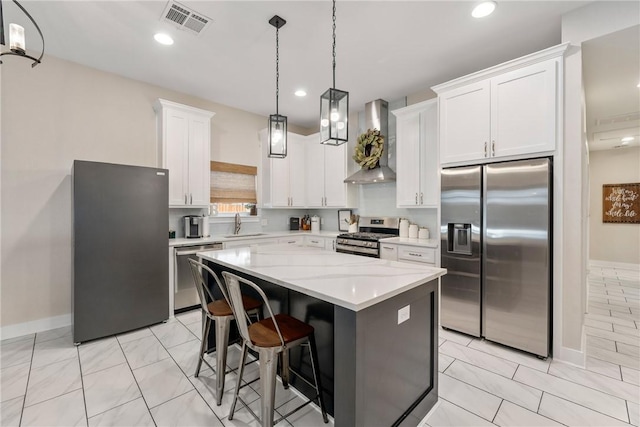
(238, 224)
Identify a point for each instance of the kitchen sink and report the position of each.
(232, 236)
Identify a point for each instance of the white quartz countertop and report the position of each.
(425, 243)
(250, 236)
(351, 281)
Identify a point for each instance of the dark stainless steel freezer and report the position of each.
(121, 262)
(496, 247)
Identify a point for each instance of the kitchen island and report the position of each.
(375, 322)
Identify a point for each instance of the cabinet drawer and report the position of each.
(298, 240)
(316, 242)
(389, 252)
(412, 253)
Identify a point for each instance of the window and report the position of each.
(233, 189)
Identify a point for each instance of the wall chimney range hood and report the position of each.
(376, 117)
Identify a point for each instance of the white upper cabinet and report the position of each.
(311, 176)
(523, 106)
(465, 123)
(184, 146)
(283, 183)
(505, 112)
(325, 173)
(417, 155)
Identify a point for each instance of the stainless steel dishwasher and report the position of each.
(186, 296)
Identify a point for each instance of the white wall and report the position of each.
(51, 115)
(612, 242)
(578, 26)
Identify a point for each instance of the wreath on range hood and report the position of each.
(369, 149)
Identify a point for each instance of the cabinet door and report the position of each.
(389, 252)
(315, 173)
(465, 123)
(523, 110)
(330, 244)
(313, 241)
(335, 171)
(408, 159)
(199, 168)
(429, 182)
(177, 153)
(293, 240)
(280, 181)
(297, 187)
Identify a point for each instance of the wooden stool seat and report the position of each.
(264, 334)
(220, 307)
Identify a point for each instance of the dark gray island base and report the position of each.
(375, 371)
(386, 374)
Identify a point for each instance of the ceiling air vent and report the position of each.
(185, 18)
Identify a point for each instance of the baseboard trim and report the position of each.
(610, 264)
(40, 325)
(570, 356)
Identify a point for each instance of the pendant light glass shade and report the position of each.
(334, 106)
(17, 45)
(334, 117)
(277, 131)
(277, 136)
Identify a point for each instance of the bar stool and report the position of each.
(219, 311)
(270, 337)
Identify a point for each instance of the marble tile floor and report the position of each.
(146, 377)
(484, 384)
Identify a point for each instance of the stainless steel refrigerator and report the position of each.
(496, 246)
(120, 245)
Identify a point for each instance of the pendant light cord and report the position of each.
(277, 68)
(334, 44)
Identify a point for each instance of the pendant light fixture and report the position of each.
(17, 45)
(277, 122)
(334, 106)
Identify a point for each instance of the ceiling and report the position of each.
(385, 49)
(611, 74)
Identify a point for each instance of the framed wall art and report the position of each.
(621, 203)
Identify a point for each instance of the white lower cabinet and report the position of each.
(417, 254)
(389, 252)
(326, 243)
(407, 253)
(244, 243)
(293, 240)
(314, 241)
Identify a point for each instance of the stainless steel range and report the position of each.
(367, 240)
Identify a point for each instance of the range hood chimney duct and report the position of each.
(376, 117)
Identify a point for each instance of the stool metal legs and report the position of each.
(316, 375)
(206, 325)
(222, 343)
(222, 325)
(268, 370)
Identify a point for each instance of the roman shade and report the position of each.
(232, 183)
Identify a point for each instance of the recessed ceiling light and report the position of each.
(163, 38)
(638, 85)
(300, 92)
(483, 9)
(626, 140)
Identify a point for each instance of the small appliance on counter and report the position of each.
(193, 226)
(315, 224)
(294, 223)
(205, 226)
